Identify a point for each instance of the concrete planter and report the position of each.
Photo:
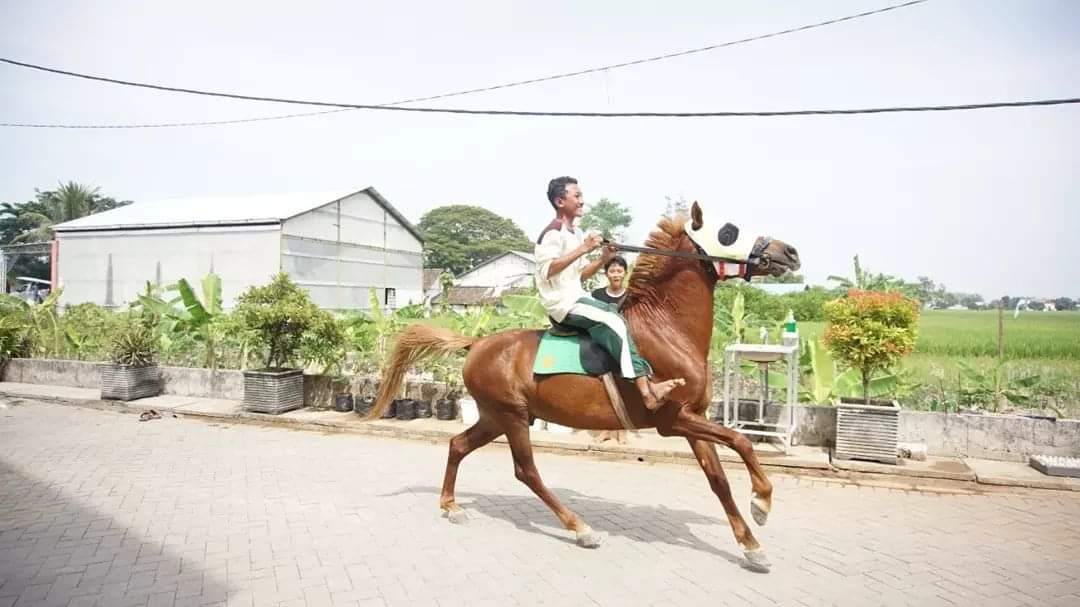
(273, 392)
(121, 382)
(869, 432)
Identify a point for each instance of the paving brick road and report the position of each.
(97, 508)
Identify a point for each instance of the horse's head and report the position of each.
(761, 254)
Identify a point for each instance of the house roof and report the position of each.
(529, 257)
(477, 296)
(431, 277)
(221, 210)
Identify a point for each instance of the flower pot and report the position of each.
(343, 402)
(423, 408)
(445, 409)
(121, 382)
(867, 432)
(406, 409)
(391, 411)
(273, 391)
(469, 413)
(362, 406)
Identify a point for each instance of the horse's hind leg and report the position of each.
(517, 434)
(479, 434)
(710, 464)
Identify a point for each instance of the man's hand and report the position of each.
(608, 253)
(592, 241)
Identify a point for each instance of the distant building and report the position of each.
(338, 246)
(509, 269)
(780, 288)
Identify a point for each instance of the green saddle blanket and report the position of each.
(559, 354)
(577, 354)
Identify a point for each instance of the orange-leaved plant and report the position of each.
(871, 331)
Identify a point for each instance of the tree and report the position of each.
(609, 218)
(457, 237)
(677, 206)
(33, 221)
(1064, 303)
(871, 331)
(787, 278)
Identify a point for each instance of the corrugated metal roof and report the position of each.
(208, 210)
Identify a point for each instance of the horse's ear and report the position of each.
(696, 220)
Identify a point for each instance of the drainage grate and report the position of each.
(1056, 465)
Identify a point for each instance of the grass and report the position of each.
(1034, 335)
(1036, 343)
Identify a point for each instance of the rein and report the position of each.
(757, 255)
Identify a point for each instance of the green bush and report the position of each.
(89, 330)
(808, 305)
(871, 331)
(277, 316)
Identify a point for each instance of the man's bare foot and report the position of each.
(658, 391)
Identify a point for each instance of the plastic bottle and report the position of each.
(791, 330)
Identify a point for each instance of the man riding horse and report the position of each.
(560, 268)
(668, 309)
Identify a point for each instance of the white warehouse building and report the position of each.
(337, 246)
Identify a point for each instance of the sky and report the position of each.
(983, 201)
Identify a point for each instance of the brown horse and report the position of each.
(669, 310)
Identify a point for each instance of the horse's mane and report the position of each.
(648, 268)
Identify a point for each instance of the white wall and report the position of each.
(341, 251)
(509, 270)
(242, 256)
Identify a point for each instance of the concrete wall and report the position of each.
(112, 268)
(998, 437)
(340, 251)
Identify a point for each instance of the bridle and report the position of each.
(759, 258)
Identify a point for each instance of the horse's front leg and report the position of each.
(714, 472)
(676, 419)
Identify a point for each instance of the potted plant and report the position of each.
(449, 374)
(869, 331)
(280, 318)
(132, 372)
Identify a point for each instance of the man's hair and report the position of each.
(557, 189)
(616, 261)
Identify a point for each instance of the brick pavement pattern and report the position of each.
(99, 509)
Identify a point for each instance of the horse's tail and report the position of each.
(414, 344)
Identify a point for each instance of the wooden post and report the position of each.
(1001, 330)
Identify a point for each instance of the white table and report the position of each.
(762, 355)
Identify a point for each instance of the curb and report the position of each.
(839, 471)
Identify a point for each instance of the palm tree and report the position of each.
(33, 221)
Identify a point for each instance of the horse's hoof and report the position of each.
(587, 538)
(757, 561)
(457, 516)
(757, 509)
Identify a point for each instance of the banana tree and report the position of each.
(199, 317)
(995, 386)
(42, 333)
(826, 385)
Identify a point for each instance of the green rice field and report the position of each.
(1046, 344)
(1033, 335)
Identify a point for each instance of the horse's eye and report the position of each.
(728, 235)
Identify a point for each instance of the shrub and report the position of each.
(134, 346)
(277, 316)
(871, 331)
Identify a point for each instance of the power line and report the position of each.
(517, 83)
(775, 113)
